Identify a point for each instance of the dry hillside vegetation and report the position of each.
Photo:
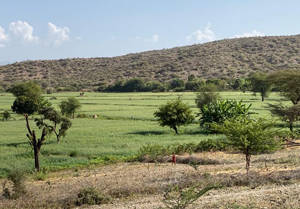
(274, 182)
(218, 59)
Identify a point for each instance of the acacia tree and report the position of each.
(174, 114)
(259, 83)
(287, 114)
(70, 106)
(288, 82)
(54, 122)
(249, 136)
(28, 101)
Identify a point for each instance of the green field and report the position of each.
(126, 123)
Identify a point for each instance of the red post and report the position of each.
(173, 159)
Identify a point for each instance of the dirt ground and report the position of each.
(273, 182)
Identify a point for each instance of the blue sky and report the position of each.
(53, 29)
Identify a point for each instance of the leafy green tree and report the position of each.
(207, 94)
(54, 122)
(288, 82)
(222, 110)
(174, 114)
(28, 101)
(260, 84)
(287, 114)
(176, 83)
(134, 85)
(70, 106)
(155, 86)
(249, 136)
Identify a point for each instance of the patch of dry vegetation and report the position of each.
(273, 182)
(218, 59)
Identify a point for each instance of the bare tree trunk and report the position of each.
(291, 126)
(248, 158)
(175, 129)
(36, 159)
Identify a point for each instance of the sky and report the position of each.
(55, 29)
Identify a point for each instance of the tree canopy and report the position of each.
(288, 82)
(174, 114)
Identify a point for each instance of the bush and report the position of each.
(180, 198)
(218, 112)
(91, 196)
(174, 114)
(212, 145)
(206, 95)
(17, 177)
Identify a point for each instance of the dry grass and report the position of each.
(218, 59)
(274, 182)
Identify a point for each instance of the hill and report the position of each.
(219, 59)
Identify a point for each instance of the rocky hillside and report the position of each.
(218, 59)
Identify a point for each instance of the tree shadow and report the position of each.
(145, 133)
(16, 144)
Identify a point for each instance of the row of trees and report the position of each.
(176, 84)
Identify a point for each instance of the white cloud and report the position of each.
(200, 36)
(155, 38)
(3, 37)
(23, 30)
(58, 35)
(253, 33)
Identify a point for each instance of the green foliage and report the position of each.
(287, 114)
(176, 83)
(287, 81)
(70, 106)
(90, 196)
(53, 122)
(5, 115)
(155, 152)
(218, 112)
(260, 83)
(28, 98)
(174, 114)
(180, 198)
(249, 136)
(17, 177)
(207, 94)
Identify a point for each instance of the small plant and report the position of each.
(91, 196)
(6, 115)
(179, 198)
(73, 153)
(40, 176)
(17, 177)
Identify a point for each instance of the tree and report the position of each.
(28, 101)
(70, 106)
(287, 114)
(288, 82)
(176, 83)
(260, 84)
(134, 85)
(206, 94)
(54, 122)
(249, 136)
(174, 114)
